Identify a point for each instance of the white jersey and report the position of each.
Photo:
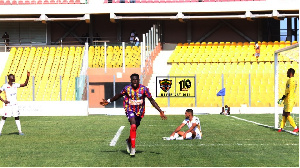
(10, 92)
(189, 123)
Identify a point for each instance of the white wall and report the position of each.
(80, 108)
(52, 108)
(197, 110)
(3, 58)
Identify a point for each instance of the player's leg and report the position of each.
(18, 123)
(132, 136)
(2, 122)
(190, 135)
(16, 114)
(283, 121)
(291, 120)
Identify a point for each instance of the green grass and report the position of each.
(84, 142)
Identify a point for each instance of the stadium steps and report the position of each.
(160, 68)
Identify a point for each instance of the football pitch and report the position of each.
(85, 142)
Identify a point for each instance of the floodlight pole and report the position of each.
(114, 89)
(105, 61)
(222, 88)
(195, 91)
(33, 98)
(123, 45)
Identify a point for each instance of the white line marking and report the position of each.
(235, 144)
(291, 132)
(115, 139)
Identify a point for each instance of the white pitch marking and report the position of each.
(291, 132)
(234, 144)
(115, 139)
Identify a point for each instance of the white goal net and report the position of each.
(284, 59)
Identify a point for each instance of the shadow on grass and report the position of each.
(13, 133)
(276, 130)
(137, 151)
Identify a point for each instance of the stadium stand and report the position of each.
(174, 1)
(39, 2)
(47, 65)
(114, 57)
(236, 61)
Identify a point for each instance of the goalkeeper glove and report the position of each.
(279, 101)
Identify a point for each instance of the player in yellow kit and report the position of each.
(289, 100)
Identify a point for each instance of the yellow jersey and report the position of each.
(290, 91)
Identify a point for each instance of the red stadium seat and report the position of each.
(1, 2)
(156, 1)
(46, 2)
(52, 2)
(21, 2)
(14, 2)
(64, 2)
(39, 2)
(77, 1)
(7, 2)
(143, 1)
(32, 1)
(71, 2)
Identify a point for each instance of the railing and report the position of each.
(172, 1)
(39, 2)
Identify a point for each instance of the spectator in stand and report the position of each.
(136, 40)
(6, 39)
(132, 35)
(257, 51)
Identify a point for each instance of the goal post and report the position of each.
(288, 55)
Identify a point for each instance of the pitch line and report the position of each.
(291, 132)
(234, 144)
(116, 138)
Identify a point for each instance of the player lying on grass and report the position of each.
(289, 100)
(134, 105)
(194, 131)
(11, 108)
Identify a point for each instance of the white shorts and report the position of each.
(190, 136)
(11, 111)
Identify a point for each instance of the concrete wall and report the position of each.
(3, 58)
(80, 108)
(52, 108)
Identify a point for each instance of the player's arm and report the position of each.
(4, 101)
(26, 81)
(178, 129)
(190, 129)
(106, 102)
(287, 91)
(154, 104)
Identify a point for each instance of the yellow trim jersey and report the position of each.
(290, 91)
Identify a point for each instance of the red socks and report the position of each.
(132, 135)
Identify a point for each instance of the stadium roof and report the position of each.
(249, 10)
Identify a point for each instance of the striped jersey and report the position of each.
(134, 100)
